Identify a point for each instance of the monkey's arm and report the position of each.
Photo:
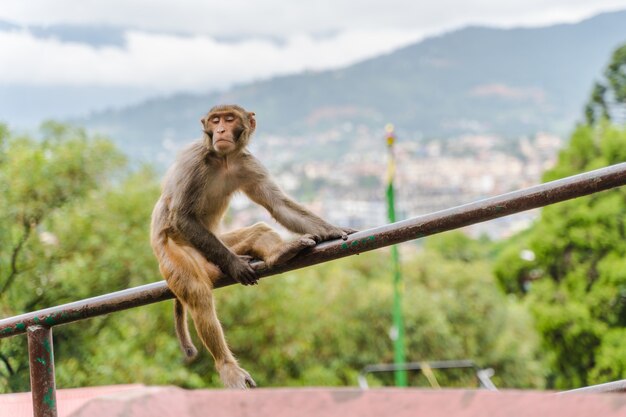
(263, 191)
(213, 249)
(183, 187)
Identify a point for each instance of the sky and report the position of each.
(166, 46)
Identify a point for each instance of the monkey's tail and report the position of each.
(182, 331)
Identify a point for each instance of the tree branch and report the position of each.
(14, 255)
(5, 360)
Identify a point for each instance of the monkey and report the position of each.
(184, 237)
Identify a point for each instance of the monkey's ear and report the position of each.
(252, 120)
(203, 121)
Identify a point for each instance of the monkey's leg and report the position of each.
(262, 241)
(199, 298)
(202, 310)
(191, 277)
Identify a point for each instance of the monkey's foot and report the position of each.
(233, 376)
(190, 351)
(289, 250)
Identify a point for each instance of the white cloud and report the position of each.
(169, 63)
(154, 61)
(284, 18)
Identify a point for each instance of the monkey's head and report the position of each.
(227, 129)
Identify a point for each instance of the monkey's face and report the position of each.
(228, 128)
(225, 130)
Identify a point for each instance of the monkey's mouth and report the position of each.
(224, 140)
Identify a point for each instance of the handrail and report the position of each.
(614, 386)
(38, 324)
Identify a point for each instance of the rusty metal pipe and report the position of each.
(89, 307)
(42, 381)
(441, 221)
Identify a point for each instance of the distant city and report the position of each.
(431, 175)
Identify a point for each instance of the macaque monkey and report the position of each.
(184, 230)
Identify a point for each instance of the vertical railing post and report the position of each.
(42, 383)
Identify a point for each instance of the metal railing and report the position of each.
(38, 325)
(613, 387)
(483, 375)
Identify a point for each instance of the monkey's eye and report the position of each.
(229, 118)
(215, 120)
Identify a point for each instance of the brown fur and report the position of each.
(196, 193)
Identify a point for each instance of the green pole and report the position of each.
(397, 330)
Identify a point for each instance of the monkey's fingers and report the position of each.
(345, 231)
(242, 272)
(249, 276)
(316, 238)
(247, 280)
(261, 266)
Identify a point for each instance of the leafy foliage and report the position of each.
(343, 315)
(575, 282)
(608, 97)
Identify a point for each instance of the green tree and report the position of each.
(75, 225)
(608, 97)
(575, 280)
(456, 245)
(38, 180)
(321, 325)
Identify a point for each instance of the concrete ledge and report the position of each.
(140, 401)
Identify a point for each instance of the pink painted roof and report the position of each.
(139, 401)
(68, 400)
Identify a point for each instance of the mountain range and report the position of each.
(509, 82)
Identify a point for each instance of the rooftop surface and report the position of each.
(140, 401)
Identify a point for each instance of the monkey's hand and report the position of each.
(240, 270)
(334, 233)
(347, 231)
